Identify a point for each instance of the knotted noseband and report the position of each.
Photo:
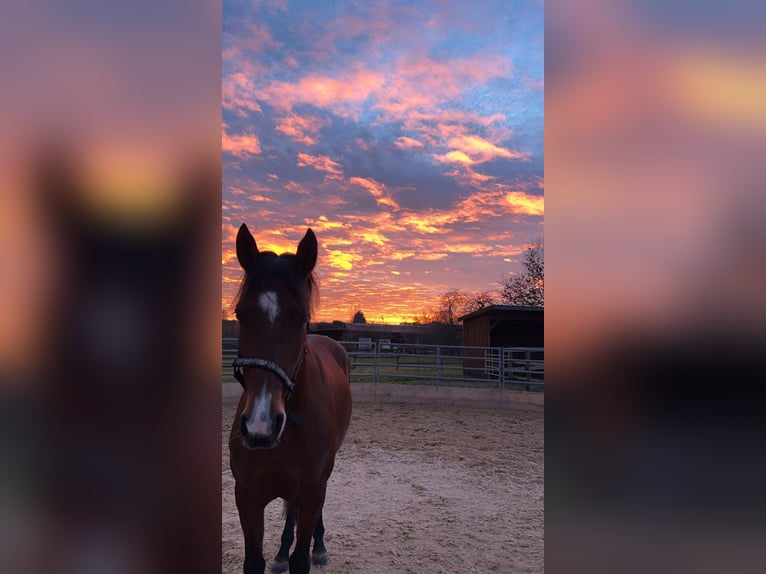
(288, 382)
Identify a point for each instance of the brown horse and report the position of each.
(288, 427)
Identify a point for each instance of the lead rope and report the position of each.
(295, 373)
(297, 419)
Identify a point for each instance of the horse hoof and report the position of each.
(279, 566)
(319, 558)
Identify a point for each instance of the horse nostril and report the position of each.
(243, 424)
(279, 420)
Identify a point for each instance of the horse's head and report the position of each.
(273, 312)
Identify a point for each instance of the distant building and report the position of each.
(367, 333)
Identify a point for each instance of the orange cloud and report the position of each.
(277, 240)
(467, 248)
(468, 177)
(476, 207)
(524, 203)
(454, 157)
(430, 222)
(229, 235)
(374, 237)
(322, 223)
(483, 148)
(341, 259)
(473, 149)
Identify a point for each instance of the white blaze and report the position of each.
(259, 421)
(269, 304)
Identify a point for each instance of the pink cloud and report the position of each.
(238, 93)
(256, 39)
(295, 187)
(533, 84)
(321, 163)
(242, 145)
(292, 62)
(335, 93)
(379, 191)
(408, 143)
(420, 82)
(302, 129)
(436, 127)
(483, 148)
(467, 176)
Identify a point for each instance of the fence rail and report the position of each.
(457, 366)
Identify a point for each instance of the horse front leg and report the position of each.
(251, 518)
(319, 554)
(309, 510)
(288, 535)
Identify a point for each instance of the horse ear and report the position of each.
(307, 252)
(247, 250)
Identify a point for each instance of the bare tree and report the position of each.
(458, 302)
(479, 300)
(527, 288)
(451, 306)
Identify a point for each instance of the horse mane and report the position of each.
(283, 268)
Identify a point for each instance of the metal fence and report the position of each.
(438, 365)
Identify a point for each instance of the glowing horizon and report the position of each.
(409, 137)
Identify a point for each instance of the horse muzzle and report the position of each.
(265, 434)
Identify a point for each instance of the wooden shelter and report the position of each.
(504, 326)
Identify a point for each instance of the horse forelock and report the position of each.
(283, 269)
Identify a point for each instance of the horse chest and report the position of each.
(301, 456)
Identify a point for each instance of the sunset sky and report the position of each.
(407, 135)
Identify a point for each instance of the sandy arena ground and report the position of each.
(421, 489)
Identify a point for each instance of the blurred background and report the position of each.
(655, 130)
(110, 286)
